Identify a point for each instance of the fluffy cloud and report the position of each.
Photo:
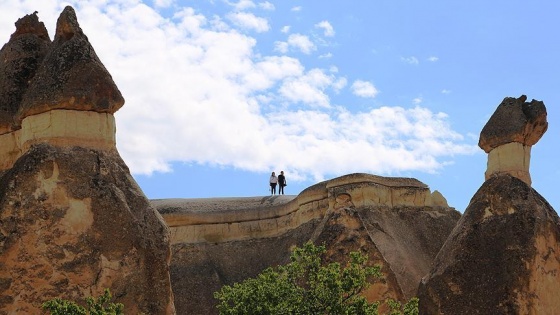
(327, 28)
(297, 41)
(197, 93)
(364, 89)
(249, 21)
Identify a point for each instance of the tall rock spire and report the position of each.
(74, 221)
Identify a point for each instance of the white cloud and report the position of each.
(299, 42)
(417, 100)
(163, 3)
(296, 9)
(199, 85)
(285, 29)
(444, 91)
(266, 6)
(327, 28)
(242, 4)
(249, 21)
(364, 89)
(410, 60)
(433, 59)
(325, 56)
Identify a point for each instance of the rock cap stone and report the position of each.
(20, 58)
(71, 75)
(515, 120)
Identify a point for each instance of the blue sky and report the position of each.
(220, 93)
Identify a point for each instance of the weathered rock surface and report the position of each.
(514, 121)
(503, 257)
(73, 222)
(61, 83)
(19, 60)
(217, 241)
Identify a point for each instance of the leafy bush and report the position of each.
(306, 285)
(99, 306)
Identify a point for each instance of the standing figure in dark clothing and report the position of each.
(281, 182)
(273, 181)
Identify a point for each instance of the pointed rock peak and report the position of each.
(515, 120)
(30, 24)
(62, 83)
(20, 59)
(67, 24)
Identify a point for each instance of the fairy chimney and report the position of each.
(74, 221)
(507, 137)
(503, 256)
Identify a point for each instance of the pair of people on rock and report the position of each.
(279, 180)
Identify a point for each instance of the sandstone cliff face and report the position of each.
(72, 219)
(397, 222)
(503, 257)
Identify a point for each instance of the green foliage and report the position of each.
(306, 285)
(99, 306)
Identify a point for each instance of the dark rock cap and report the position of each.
(514, 121)
(19, 60)
(71, 75)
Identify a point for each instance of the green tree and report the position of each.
(99, 306)
(307, 285)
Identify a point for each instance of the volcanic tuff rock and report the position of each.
(72, 219)
(397, 222)
(19, 60)
(503, 257)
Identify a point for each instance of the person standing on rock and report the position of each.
(281, 182)
(273, 182)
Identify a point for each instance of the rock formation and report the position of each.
(397, 222)
(503, 257)
(73, 221)
(507, 137)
